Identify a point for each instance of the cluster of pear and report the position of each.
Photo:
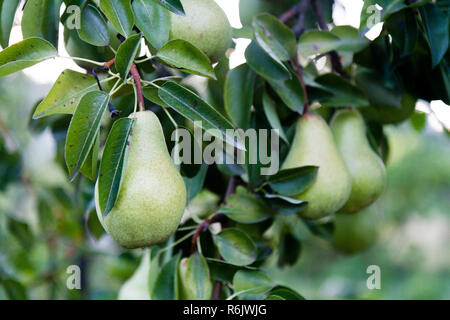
(351, 175)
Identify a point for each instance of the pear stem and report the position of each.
(137, 80)
(298, 70)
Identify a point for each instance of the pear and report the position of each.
(365, 166)
(205, 25)
(152, 197)
(314, 145)
(354, 233)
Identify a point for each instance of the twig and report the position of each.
(298, 70)
(299, 27)
(290, 14)
(137, 79)
(335, 59)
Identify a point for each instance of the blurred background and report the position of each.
(43, 218)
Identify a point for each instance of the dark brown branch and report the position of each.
(298, 70)
(290, 14)
(299, 27)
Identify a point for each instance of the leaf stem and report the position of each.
(137, 80)
(83, 60)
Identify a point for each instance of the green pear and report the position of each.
(152, 197)
(365, 166)
(205, 25)
(314, 145)
(354, 233)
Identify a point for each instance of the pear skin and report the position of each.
(152, 197)
(205, 25)
(365, 166)
(314, 145)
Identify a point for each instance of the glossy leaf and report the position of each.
(236, 247)
(238, 95)
(25, 54)
(272, 116)
(173, 5)
(290, 182)
(83, 130)
(245, 207)
(185, 56)
(251, 284)
(94, 29)
(126, 54)
(436, 25)
(263, 64)
(89, 168)
(291, 92)
(198, 280)
(191, 106)
(66, 93)
(274, 37)
(113, 163)
(166, 285)
(286, 293)
(120, 14)
(153, 20)
(41, 19)
(285, 205)
(7, 13)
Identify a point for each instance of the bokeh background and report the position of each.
(44, 219)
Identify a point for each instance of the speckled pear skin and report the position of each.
(153, 194)
(205, 25)
(313, 144)
(366, 168)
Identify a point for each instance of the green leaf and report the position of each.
(113, 163)
(245, 207)
(66, 93)
(25, 54)
(83, 130)
(274, 37)
(41, 19)
(238, 96)
(89, 168)
(185, 56)
(120, 14)
(251, 284)
(126, 54)
(291, 182)
(436, 25)
(191, 106)
(272, 116)
(14, 289)
(153, 20)
(263, 64)
(286, 293)
(197, 280)
(173, 5)
(7, 13)
(341, 38)
(93, 29)
(291, 92)
(285, 205)
(236, 247)
(166, 285)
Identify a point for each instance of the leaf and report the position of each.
(272, 116)
(238, 95)
(83, 130)
(263, 64)
(7, 13)
(191, 106)
(173, 5)
(113, 163)
(41, 19)
(166, 285)
(153, 20)
(236, 247)
(436, 25)
(126, 54)
(66, 93)
(93, 28)
(185, 56)
(89, 168)
(245, 207)
(14, 289)
(291, 92)
(252, 284)
(25, 54)
(286, 293)
(198, 280)
(120, 14)
(285, 205)
(274, 37)
(291, 182)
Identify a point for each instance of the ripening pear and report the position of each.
(314, 145)
(205, 25)
(356, 232)
(366, 168)
(152, 197)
